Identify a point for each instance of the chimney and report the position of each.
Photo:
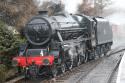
(43, 12)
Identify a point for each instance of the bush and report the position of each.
(7, 39)
(3, 74)
(9, 44)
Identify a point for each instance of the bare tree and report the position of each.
(86, 8)
(99, 5)
(93, 7)
(17, 12)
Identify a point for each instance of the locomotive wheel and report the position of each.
(102, 52)
(19, 70)
(70, 65)
(26, 74)
(97, 53)
(96, 56)
(33, 71)
(86, 57)
(63, 68)
(107, 50)
(105, 54)
(78, 60)
(54, 71)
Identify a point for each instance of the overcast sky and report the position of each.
(118, 17)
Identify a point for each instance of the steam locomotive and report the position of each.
(62, 41)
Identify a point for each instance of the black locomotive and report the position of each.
(70, 39)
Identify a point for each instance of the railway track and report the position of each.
(114, 51)
(62, 78)
(113, 75)
(104, 71)
(77, 73)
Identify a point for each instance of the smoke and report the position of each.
(70, 5)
